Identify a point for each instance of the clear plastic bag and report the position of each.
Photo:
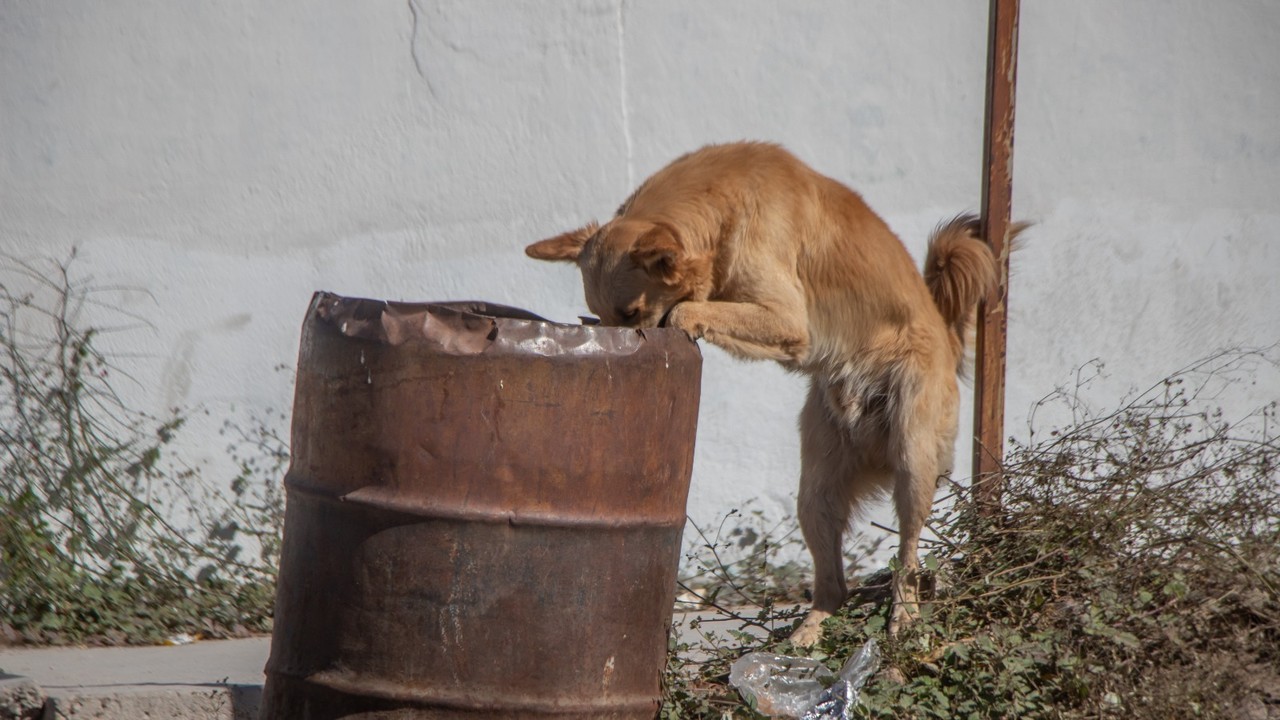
(795, 687)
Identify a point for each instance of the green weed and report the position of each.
(89, 488)
(1133, 572)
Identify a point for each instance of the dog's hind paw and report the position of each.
(810, 630)
(904, 613)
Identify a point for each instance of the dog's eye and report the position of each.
(628, 315)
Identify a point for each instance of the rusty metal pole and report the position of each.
(997, 197)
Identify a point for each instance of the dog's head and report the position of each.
(633, 271)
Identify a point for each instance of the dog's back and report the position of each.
(766, 218)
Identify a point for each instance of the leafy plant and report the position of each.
(89, 489)
(1134, 572)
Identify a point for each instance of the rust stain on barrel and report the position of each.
(484, 514)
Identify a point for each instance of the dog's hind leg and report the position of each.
(830, 492)
(926, 443)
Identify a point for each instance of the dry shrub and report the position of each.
(1134, 571)
(107, 536)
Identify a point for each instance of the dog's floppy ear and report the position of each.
(659, 253)
(565, 246)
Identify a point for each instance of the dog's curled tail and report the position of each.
(960, 271)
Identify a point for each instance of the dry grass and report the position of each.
(1134, 572)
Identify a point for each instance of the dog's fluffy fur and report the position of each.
(744, 245)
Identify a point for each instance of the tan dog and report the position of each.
(746, 246)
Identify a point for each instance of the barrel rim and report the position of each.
(472, 327)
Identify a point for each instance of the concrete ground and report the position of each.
(210, 679)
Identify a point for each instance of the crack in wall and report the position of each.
(415, 11)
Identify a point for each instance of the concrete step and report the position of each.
(208, 680)
(214, 679)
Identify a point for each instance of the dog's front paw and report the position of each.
(685, 317)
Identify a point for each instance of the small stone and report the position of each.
(20, 698)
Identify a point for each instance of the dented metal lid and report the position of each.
(471, 327)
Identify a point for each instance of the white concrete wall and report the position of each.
(223, 160)
(1149, 151)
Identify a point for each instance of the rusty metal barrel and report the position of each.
(484, 514)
